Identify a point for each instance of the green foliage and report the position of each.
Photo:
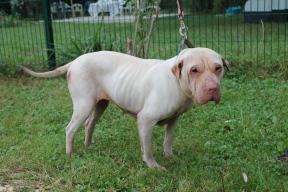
(8, 20)
(16, 5)
(9, 70)
(243, 134)
(79, 47)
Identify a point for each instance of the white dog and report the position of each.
(153, 91)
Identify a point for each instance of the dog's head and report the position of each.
(199, 71)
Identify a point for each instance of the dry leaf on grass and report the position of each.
(228, 128)
(179, 152)
(119, 161)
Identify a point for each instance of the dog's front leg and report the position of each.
(169, 137)
(146, 127)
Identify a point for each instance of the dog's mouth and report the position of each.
(217, 101)
(203, 101)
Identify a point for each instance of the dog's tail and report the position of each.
(55, 72)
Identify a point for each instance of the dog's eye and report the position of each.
(218, 68)
(194, 71)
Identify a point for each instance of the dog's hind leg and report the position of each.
(93, 119)
(81, 111)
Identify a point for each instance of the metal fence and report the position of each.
(253, 31)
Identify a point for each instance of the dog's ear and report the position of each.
(225, 63)
(177, 68)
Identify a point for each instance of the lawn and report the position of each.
(213, 144)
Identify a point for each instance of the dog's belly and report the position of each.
(129, 106)
(165, 121)
(130, 113)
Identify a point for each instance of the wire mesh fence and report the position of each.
(253, 31)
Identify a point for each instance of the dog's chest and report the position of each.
(184, 108)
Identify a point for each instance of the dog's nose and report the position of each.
(212, 88)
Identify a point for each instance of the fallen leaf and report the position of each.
(179, 152)
(245, 177)
(228, 128)
(119, 161)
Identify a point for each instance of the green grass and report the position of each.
(34, 113)
(239, 42)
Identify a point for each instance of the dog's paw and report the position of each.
(170, 157)
(160, 168)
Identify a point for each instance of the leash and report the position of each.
(183, 30)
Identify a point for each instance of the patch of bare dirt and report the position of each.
(11, 184)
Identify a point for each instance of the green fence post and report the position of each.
(49, 34)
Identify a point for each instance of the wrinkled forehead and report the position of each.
(201, 56)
